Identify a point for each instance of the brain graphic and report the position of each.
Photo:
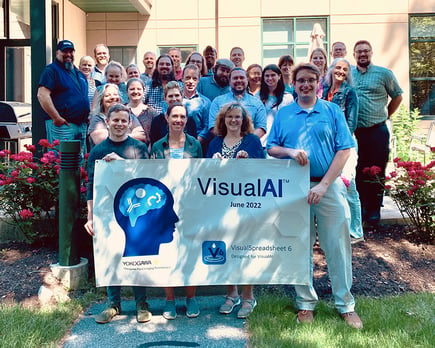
(139, 199)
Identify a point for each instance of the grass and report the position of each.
(393, 322)
(29, 327)
(397, 321)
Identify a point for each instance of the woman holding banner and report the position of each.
(177, 144)
(235, 139)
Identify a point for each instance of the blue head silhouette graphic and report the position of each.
(144, 209)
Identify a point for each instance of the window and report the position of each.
(422, 69)
(292, 36)
(185, 50)
(125, 55)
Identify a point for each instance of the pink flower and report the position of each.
(83, 189)
(56, 142)
(387, 187)
(397, 159)
(393, 174)
(26, 213)
(86, 156)
(15, 173)
(30, 180)
(410, 193)
(3, 154)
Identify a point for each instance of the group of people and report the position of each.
(311, 113)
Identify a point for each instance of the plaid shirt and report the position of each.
(155, 97)
(373, 87)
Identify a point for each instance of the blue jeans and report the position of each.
(114, 295)
(64, 132)
(333, 218)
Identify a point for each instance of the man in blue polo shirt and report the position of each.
(314, 132)
(63, 95)
(217, 83)
(254, 106)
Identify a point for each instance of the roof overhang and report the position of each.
(92, 6)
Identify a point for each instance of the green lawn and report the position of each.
(399, 321)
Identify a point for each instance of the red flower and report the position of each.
(26, 213)
(83, 189)
(374, 170)
(393, 174)
(397, 159)
(345, 181)
(86, 155)
(56, 142)
(387, 187)
(45, 143)
(15, 173)
(30, 180)
(410, 193)
(31, 148)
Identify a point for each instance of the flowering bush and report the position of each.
(29, 190)
(412, 188)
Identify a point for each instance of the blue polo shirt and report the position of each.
(320, 133)
(207, 86)
(198, 108)
(69, 92)
(252, 104)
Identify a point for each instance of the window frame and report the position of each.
(416, 79)
(294, 43)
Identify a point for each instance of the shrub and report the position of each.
(404, 124)
(412, 188)
(29, 190)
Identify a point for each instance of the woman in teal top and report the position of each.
(177, 144)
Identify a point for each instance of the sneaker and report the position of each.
(192, 308)
(230, 303)
(305, 316)
(169, 311)
(354, 240)
(142, 312)
(246, 308)
(107, 315)
(352, 319)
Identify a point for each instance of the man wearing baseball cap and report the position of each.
(63, 95)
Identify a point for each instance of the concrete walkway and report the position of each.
(210, 329)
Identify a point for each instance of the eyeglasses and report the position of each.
(237, 118)
(309, 81)
(362, 51)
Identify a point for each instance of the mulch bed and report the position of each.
(389, 262)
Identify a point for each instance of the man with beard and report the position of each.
(102, 57)
(175, 54)
(238, 93)
(314, 132)
(218, 83)
(379, 97)
(210, 56)
(63, 95)
(154, 95)
(149, 61)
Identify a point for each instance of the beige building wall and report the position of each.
(239, 23)
(72, 26)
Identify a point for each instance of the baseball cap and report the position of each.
(64, 44)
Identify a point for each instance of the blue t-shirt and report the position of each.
(69, 92)
(321, 133)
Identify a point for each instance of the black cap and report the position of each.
(64, 44)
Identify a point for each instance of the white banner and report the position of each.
(201, 222)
